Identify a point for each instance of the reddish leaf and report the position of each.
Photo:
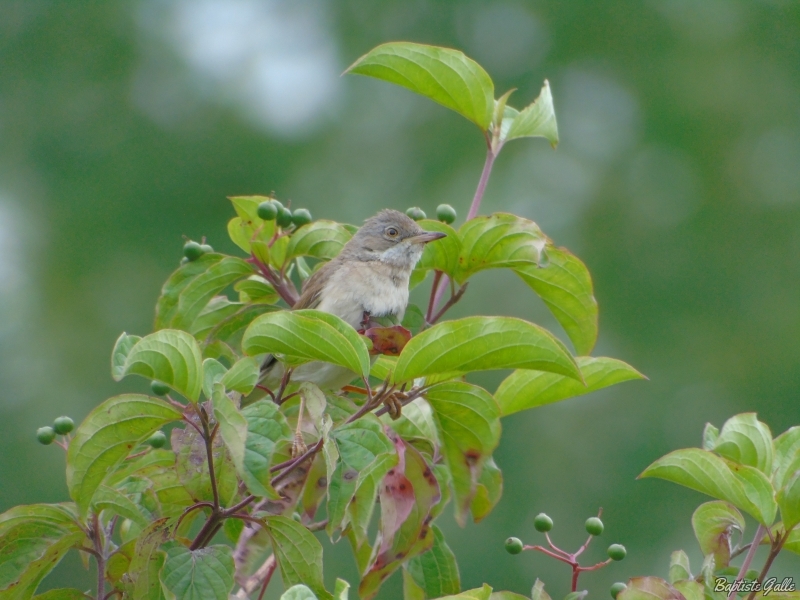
(397, 497)
(388, 340)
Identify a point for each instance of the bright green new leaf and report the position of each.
(705, 472)
(481, 344)
(713, 524)
(187, 292)
(232, 426)
(691, 590)
(203, 574)
(792, 543)
(679, 567)
(488, 491)
(242, 376)
(217, 310)
(537, 119)
(443, 255)
(786, 457)
(525, 389)
(320, 239)
(565, 286)
(415, 423)
(62, 594)
(266, 427)
(468, 420)
(147, 561)
(308, 335)
(109, 499)
(648, 588)
(411, 591)
(231, 327)
(213, 371)
(758, 490)
(445, 76)
(501, 240)
(747, 441)
(538, 592)
(171, 356)
(299, 554)
(436, 571)
(119, 354)
(710, 435)
(481, 593)
(789, 501)
(107, 436)
(298, 592)
(256, 289)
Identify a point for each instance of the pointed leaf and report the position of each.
(203, 574)
(320, 239)
(411, 591)
(307, 335)
(679, 567)
(242, 376)
(266, 427)
(147, 561)
(565, 286)
(256, 289)
(171, 356)
(481, 593)
(362, 504)
(747, 441)
(713, 523)
(443, 255)
(445, 76)
(107, 498)
(468, 421)
(649, 588)
(107, 436)
(538, 593)
(537, 119)
(480, 344)
(232, 426)
(213, 371)
(299, 554)
(786, 457)
(436, 570)
(525, 389)
(488, 491)
(298, 592)
(710, 436)
(789, 501)
(119, 354)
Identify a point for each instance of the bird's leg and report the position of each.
(365, 319)
(394, 403)
(298, 445)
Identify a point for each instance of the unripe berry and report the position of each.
(45, 435)
(513, 545)
(594, 526)
(159, 389)
(416, 213)
(446, 213)
(63, 425)
(157, 440)
(267, 210)
(616, 552)
(301, 217)
(296, 516)
(206, 248)
(284, 218)
(192, 250)
(542, 522)
(616, 589)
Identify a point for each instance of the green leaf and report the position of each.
(298, 592)
(256, 289)
(107, 498)
(231, 328)
(362, 504)
(62, 594)
(648, 588)
(576, 595)
(710, 435)
(443, 255)
(565, 286)
(187, 292)
(147, 561)
(691, 590)
(480, 344)
(525, 389)
(232, 426)
(119, 354)
(191, 465)
(758, 490)
(308, 335)
(789, 501)
(415, 423)
(299, 554)
(488, 491)
(436, 570)
(242, 376)
(786, 457)
(445, 76)
(679, 567)
(203, 574)
(538, 593)
(792, 543)
(707, 473)
(341, 589)
(501, 240)
(63, 515)
(747, 441)
(171, 356)
(536, 120)
(319, 239)
(713, 523)
(213, 371)
(217, 310)
(481, 593)
(266, 427)
(468, 420)
(411, 591)
(107, 436)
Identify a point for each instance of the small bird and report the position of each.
(369, 278)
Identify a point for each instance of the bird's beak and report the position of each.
(428, 236)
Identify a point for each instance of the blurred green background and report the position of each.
(124, 125)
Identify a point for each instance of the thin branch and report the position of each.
(100, 556)
(453, 299)
(747, 560)
(777, 546)
(287, 374)
(548, 552)
(432, 301)
(266, 389)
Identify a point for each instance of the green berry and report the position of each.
(416, 213)
(267, 210)
(184, 260)
(192, 250)
(617, 588)
(284, 218)
(206, 248)
(296, 516)
(594, 526)
(543, 523)
(63, 425)
(157, 440)
(301, 217)
(616, 552)
(125, 528)
(513, 545)
(446, 213)
(159, 389)
(45, 435)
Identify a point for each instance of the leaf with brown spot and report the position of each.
(388, 340)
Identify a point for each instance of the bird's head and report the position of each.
(393, 238)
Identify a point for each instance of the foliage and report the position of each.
(153, 519)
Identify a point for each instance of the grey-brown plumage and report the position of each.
(370, 275)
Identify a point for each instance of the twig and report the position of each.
(453, 299)
(777, 546)
(432, 301)
(287, 374)
(266, 389)
(100, 555)
(747, 560)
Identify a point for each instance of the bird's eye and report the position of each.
(391, 232)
